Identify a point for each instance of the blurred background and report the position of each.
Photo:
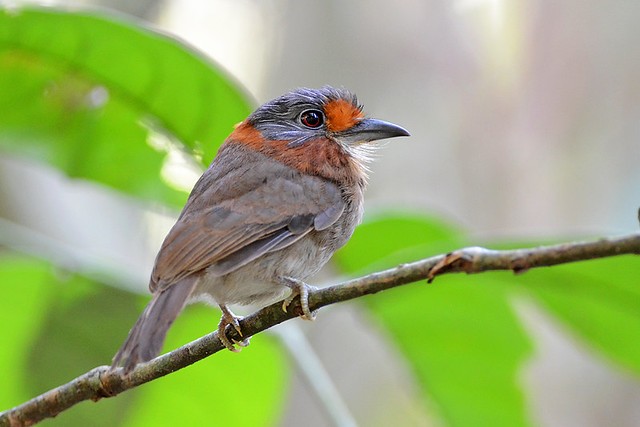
(525, 124)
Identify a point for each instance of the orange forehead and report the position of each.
(341, 115)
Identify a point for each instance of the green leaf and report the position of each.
(459, 334)
(391, 238)
(246, 389)
(56, 333)
(25, 297)
(466, 347)
(63, 325)
(600, 302)
(80, 90)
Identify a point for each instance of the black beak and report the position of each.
(368, 130)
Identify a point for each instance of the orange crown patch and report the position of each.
(341, 115)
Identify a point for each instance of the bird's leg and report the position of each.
(301, 289)
(228, 318)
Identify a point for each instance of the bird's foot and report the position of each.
(228, 318)
(301, 289)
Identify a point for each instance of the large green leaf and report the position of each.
(599, 300)
(80, 330)
(54, 331)
(459, 334)
(246, 389)
(25, 297)
(80, 90)
(466, 347)
(60, 325)
(391, 238)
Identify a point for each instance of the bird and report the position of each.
(283, 193)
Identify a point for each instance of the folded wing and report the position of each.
(235, 231)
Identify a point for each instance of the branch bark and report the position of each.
(101, 382)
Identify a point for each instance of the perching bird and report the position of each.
(284, 192)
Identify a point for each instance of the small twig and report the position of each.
(100, 382)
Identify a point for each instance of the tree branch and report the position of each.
(101, 382)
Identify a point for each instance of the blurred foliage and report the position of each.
(60, 325)
(84, 93)
(599, 300)
(461, 334)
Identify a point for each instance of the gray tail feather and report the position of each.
(147, 335)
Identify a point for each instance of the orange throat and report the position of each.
(321, 157)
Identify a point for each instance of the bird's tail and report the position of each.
(147, 335)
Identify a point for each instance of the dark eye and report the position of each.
(312, 118)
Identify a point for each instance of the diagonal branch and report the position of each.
(101, 382)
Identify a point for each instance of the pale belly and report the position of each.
(257, 282)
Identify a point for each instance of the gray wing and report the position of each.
(277, 212)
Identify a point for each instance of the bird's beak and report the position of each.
(367, 130)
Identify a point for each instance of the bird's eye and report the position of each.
(312, 118)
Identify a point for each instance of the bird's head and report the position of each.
(317, 131)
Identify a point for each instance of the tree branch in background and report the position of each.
(101, 382)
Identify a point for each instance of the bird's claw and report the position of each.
(228, 318)
(301, 289)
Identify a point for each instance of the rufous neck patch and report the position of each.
(320, 157)
(341, 115)
(248, 135)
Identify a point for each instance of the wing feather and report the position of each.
(224, 235)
